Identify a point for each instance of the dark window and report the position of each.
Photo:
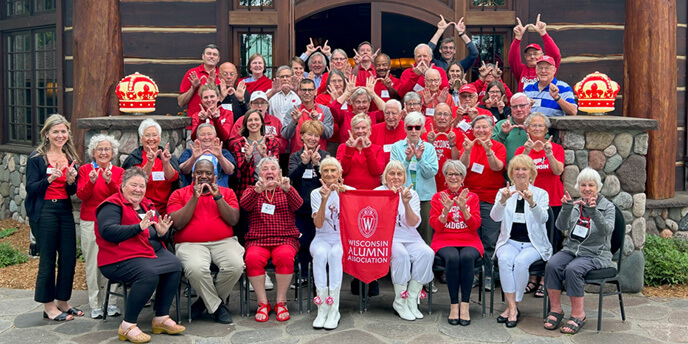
(257, 42)
(256, 3)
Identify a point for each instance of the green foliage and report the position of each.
(666, 261)
(5, 232)
(10, 255)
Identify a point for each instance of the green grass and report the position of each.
(5, 232)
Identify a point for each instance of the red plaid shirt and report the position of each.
(274, 229)
(246, 167)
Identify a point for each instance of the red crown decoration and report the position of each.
(596, 93)
(137, 93)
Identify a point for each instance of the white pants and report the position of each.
(514, 259)
(326, 249)
(411, 259)
(94, 279)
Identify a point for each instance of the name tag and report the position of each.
(464, 126)
(580, 231)
(308, 173)
(222, 121)
(430, 112)
(519, 218)
(227, 106)
(538, 103)
(243, 149)
(418, 88)
(387, 148)
(268, 208)
(345, 106)
(477, 168)
(49, 170)
(141, 216)
(270, 130)
(158, 175)
(413, 166)
(384, 94)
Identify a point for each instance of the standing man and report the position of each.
(204, 214)
(195, 77)
(448, 47)
(233, 98)
(391, 130)
(363, 63)
(525, 73)
(512, 131)
(316, 67)
(413, 79)
(283, 100)
(552, 97)
(386, 84)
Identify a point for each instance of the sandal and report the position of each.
(162, 326)
(263, 309)
(61, 317)
(282, 311)
(540, 292)
(575, 327)
(530, 287)
(74, 311)
(554, 322)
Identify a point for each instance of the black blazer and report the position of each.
(37, 184)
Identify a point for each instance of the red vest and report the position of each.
(134, 247)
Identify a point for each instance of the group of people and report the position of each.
(265, 165)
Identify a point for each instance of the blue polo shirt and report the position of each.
(544, 102)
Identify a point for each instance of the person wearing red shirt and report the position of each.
(161, 166)
(468, 110)
(273, 126)
(413, 79)
(339, 62)
(433, 95)
(97, 181)
(391, 130)
(455, 217)
(490, 73)
(210, 112)
(359, 99)
(363, 63)
(335, 83)
(131, 239)
(485, 160)
(307, 110)
(204, 214)
(257, 81)
(195, 77)
(362, 161)
(385, 84)
(525, 73)
(444, 138)
(272, 204)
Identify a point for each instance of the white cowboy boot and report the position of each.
(323, 308)
(414, 292)
(333, 315)
(400, 300)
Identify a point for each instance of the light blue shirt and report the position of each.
(543, 100)
(426, 168)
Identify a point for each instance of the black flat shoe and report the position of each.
(511, 324)
(373, 289)
(464, 322)
(501, 319)
(197, 309)
(453, 322)
(62, 317)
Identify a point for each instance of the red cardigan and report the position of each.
(457, 232)
(91, 195)
(137, 246)
(361, 170)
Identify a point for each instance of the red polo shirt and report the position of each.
(206, 223)
(195, 101)
(479, 176)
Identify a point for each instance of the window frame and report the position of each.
(241, 66)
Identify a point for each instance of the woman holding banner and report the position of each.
(411, 259)
(326, 247)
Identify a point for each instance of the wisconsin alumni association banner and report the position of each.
(367, 221)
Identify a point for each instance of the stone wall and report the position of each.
(13, 186)
(668, 217)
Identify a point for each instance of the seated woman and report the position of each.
(130, 235)
(523, 234)
(326, 247)
(455, 217)
(271, 204)
(362, 160)
(411, 258)
(590, 223)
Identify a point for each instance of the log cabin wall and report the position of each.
(682, 20)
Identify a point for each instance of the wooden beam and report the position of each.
(281, 53)
(650, 41)
(24, 22)
(222, 35)
(491, 18)
(97, 70)
(253, 18)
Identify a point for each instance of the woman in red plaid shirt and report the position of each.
(271, 204)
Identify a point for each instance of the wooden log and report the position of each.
(98, 64)
(650, 85)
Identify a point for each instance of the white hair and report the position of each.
(589, 174)
(97, 139)
(393, 102)
(147, 123)
(414, 118)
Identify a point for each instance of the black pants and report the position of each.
(459, 268)
(144, 277)
(307, 228)
(55, 233)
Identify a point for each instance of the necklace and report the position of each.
(270, 199)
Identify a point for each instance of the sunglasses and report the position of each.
(412, 127)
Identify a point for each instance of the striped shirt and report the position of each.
(543, 100)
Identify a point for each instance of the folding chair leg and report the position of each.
(179, 312)
(360, 297)
(432, 286)
(599, 308)
(308, 288)
(241, 295)
(107, 299)
(623, 312)
(492, 290)
(482, 289)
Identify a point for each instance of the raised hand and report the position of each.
(529, 145)
(548, 147)
(195, 81)
(315, 157)
(447, 201)
(357, 57)
(351, 141)
(326, 49)
(484, 70)
(196, 150)
(505, 193)
(540, 26)
(260, 185)
(276, 85)
(197, 188)
(519, 29)
(325, 191)
(372, 57)
(507, 126)
(387, 81)
(351, 85)
(165, 155)
(468, 144)
(306, 156)
(71, 173)
(444, 94)
(406, 194)
(442, 24)
(93, 175)
(496, 72)
(146, 220)
(248, 149)
(460, 26)
(410, 150)
(451, 137)
(462, 199)
(310, 48)
(527, 196)
(370, 86)
(216, 148)
(213, 188)
(501, 104)
(346, 70)
(107, 175)
(365, 141)
(553, 91)
(487, 144)
(295, 114)
(284, 184)
(419, 150)
(420, 68)
(225, 89)
(57, 173)
(567, 198)
(163, 226)
(262, 149)
(427, 97)
(151, 155)
(240, 91)
(432, 134)
(592, 202)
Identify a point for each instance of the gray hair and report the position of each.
(456, 165)
(132, 172)
(340, 51)
(361, 117)
(330, 161)
(421, 45)
(411, 96)
(147, 123)
(489, 120)
(431, 70)
(415, 118)
(315, 54)
(537, 114)
(97, 139)
(206, 125)
(281, 68)
(519, 95)
(267, 160)
(393, 165)
(359, 91)
(392, 102)
(589, 174)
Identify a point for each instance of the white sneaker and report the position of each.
(268, 283)
(97, 313)
(113, 311)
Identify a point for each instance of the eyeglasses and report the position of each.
(537, 125)
(103, 149)
(338, 59)
(443, 114)
(448, 48)
(412, 104)
(494, 92)
(544, 67)
(453, 174)
(412, 127)
(307, 90)
(433, 80)
(519, 106)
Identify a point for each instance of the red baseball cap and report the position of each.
(534, 46)
(468, 88)
(546, 58)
